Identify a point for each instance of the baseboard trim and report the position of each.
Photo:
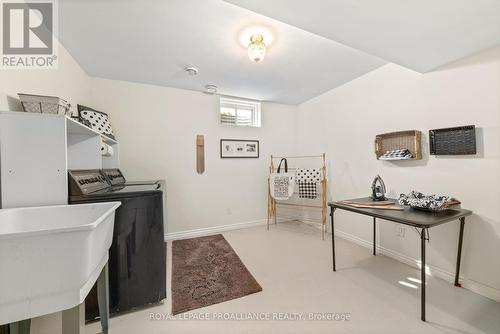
(312, 222)
(474, 286)
(216, 229)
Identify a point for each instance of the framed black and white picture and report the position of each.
(239, 148)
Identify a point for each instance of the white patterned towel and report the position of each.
(310, 175)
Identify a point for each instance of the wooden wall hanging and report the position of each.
(200, 154)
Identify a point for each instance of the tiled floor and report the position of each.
(293, 267)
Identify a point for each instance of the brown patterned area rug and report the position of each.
(207, 271)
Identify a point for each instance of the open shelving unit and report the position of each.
(84, 147)
(75, 127)
(50, 145)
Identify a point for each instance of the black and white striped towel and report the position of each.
(400, 154)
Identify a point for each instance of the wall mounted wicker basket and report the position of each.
(410, 139)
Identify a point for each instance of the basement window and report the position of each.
(239, 112)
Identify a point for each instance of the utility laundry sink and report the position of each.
(50, 257)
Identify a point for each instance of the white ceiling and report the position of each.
(317, 43)
(419, 34)
(152, 41)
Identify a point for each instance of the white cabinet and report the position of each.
(36, 151)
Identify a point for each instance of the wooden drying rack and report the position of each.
(272, 203)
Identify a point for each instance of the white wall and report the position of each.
(344, 122)
(157, 128)
(68, 81)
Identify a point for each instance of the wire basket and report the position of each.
(44, 104)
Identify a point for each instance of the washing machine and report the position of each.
(116, 178)
(137, 257)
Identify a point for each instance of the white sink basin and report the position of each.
(50, 257)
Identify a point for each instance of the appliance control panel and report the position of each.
(83, 182)
(114, 176)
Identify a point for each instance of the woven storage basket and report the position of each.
(410, 139)
(453, 141)
(44, 104)
(431, 203)
(452, 203)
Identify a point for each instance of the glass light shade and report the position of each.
(256, 48)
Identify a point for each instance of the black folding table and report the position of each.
(416, 218)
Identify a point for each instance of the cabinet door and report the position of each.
(32, 160)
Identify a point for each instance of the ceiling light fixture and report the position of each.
(256, 48)
(210, 89)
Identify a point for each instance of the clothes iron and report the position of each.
(378, 189)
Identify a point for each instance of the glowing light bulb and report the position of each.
(256, 48)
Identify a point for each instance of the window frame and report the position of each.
(241, 104)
